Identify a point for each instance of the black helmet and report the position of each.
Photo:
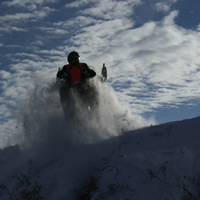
(73, 57)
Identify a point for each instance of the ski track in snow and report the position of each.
(112, 157)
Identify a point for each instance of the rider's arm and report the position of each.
(89, 73)
(62, 73)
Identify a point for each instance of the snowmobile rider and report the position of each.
(75, 76)
(75, 73)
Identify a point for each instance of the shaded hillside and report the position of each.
(161, 162)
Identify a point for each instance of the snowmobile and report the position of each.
(83, 98)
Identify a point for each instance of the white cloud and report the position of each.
(10, 29)
(164, 6)
(10, 22)
(16, 22)
(112, 9)
(4, 74)
(99, 35)
(16, 17)
(78, 3)
(76, 23)
(31, 5)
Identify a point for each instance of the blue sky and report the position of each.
(151, 49)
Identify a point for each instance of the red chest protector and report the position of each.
(75, 72)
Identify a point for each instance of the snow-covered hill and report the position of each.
(157, 162)
(112, 155)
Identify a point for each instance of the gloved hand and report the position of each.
(62, 74)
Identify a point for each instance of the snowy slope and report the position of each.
(111, 155)
(158, 162)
